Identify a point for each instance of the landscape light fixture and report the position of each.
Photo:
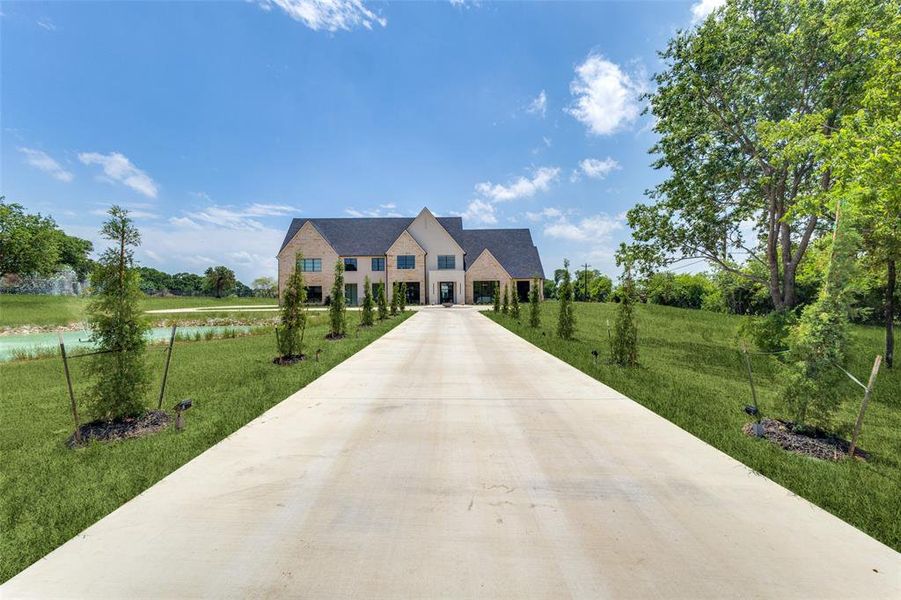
(179, 409)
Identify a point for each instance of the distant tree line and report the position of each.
(724, 291)
(219, 281)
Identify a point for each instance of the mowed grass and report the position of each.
(26, 309)
(49, 493)
(692, 374)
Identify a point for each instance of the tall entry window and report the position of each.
(406, 261)
(314, 294)
(447, 262)
(412, 292)
(483, 291)
(350, 294)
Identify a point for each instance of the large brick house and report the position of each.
(437, 259)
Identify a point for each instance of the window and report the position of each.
(406, 261)
(412, 292)
(310, 265)
(350, 264)
(376, 288)
(447, 262)
(314, 294)
(350, 294)
(483, 291)
(378, 264)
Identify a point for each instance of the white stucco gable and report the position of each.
(434, 239)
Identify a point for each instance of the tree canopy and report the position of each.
(733, 110)
(32, 244)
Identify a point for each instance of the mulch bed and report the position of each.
(108, 431)
(814, 443)
(288, 360)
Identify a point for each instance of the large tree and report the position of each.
(719, 106)
(220, 280)
(866, 162)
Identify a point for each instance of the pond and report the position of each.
(77, 341)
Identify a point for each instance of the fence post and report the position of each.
(166, 369)
(863, 405)
(62, 350)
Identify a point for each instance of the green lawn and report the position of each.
(49, 493)
(24, 309)
(691, 374)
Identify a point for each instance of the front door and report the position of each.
(446, 292)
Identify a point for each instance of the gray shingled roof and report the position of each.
(513, 248)
(372, 236)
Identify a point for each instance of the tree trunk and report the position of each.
(890, 314)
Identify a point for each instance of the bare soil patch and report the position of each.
(334, 336)
(814, 443)
(108, 431)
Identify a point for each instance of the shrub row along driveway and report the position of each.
(452, 458)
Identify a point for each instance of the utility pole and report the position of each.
(585, 289)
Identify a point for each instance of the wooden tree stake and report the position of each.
(62, 349)
(166, 369)
(863, 405)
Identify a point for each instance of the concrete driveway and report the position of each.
(450, 458)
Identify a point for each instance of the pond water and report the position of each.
(78, 341)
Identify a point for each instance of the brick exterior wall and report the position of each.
(486, 268)
(311, 244)
(405, 244)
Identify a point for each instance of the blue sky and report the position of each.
(217, 122)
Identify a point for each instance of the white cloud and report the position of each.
(226, 217)
(44, 162)
(270, 210)
(607, 98)
(184, 222)
(596, 228)
(538, 106)
(46, 24)
(702, 8)
(206, 237)
(480, 212)
(116, 167)
(546, 213)
(187, 249)
(383, 210)
(330, 15)
(598, 169)
(523, 187)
